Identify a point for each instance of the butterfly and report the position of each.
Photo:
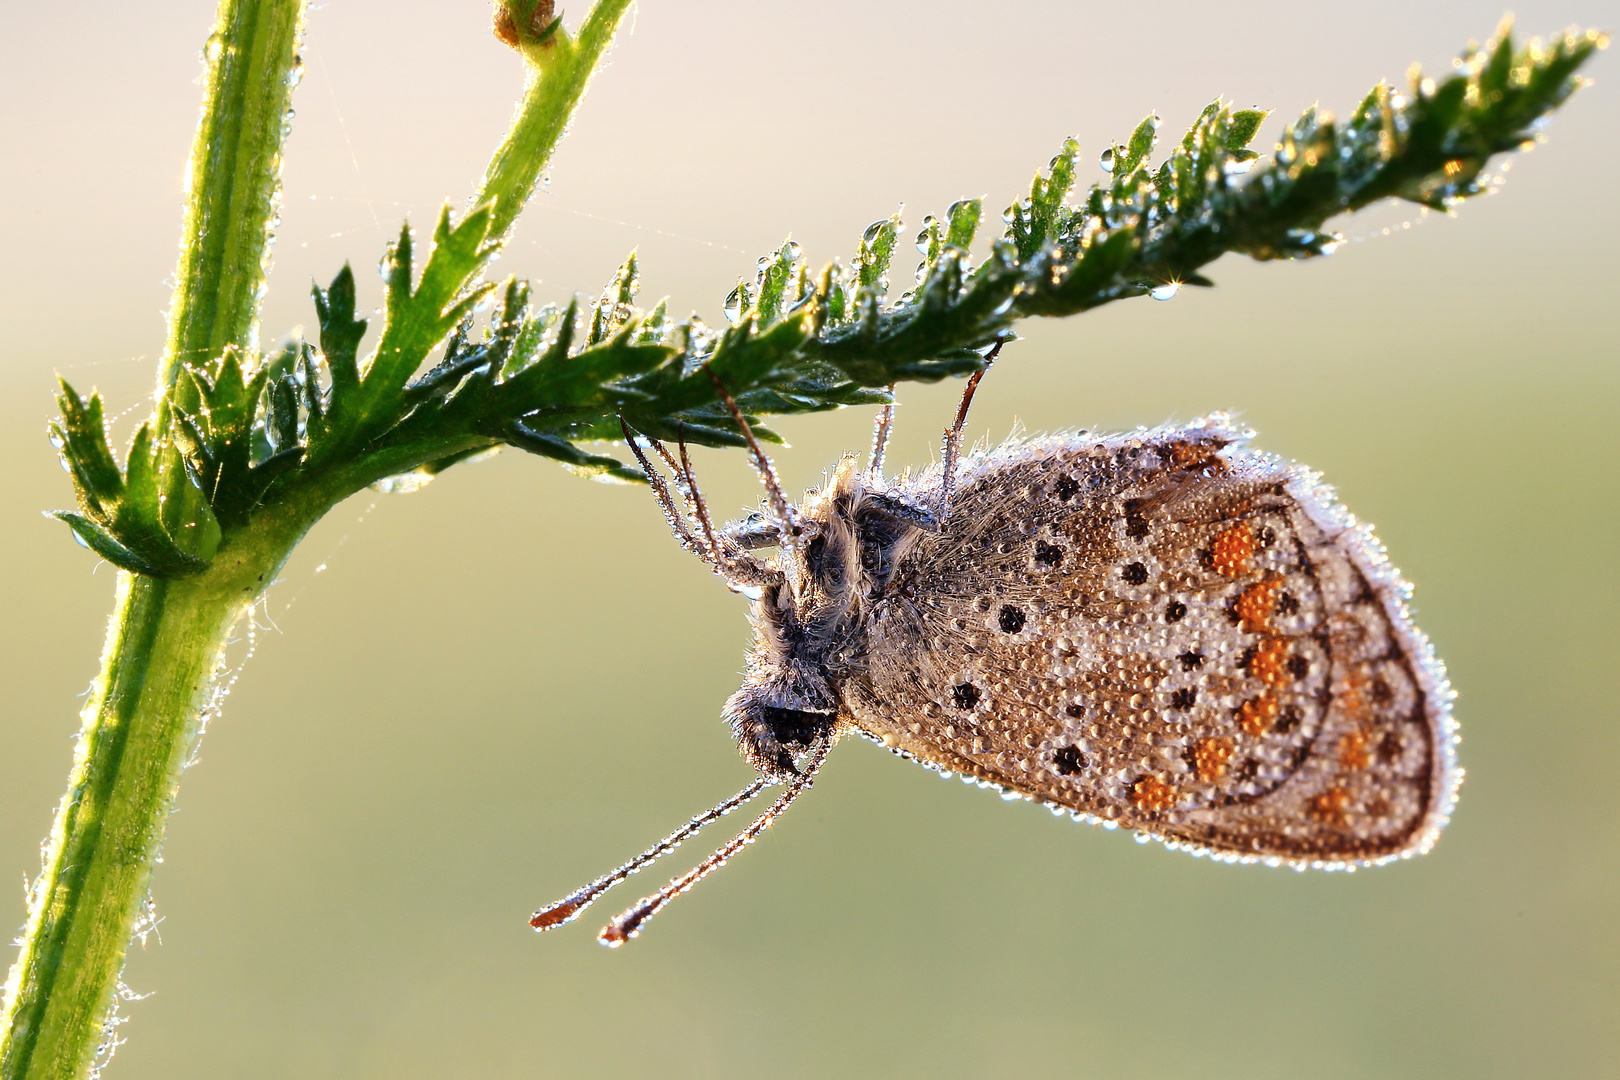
(1163, 630)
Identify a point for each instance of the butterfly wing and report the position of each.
(1169, 632)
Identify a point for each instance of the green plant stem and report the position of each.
(165, 642)
(139, 726)
(233, 183)
(557, 80)
(166, 637)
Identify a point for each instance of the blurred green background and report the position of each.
(467, 701)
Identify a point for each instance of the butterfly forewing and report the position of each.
(1169, 632)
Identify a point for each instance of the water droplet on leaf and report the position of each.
(403, 484)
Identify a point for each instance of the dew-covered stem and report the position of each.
(233, 183)
(194, 515)
(138, 728)
(164, 636)
(557, 78)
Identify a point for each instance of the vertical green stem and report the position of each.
(233, 182)
(165, 637)
(139, 725)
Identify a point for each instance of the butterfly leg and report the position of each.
(726, 559)
(880, 441)
(789, 527)
(953, 435)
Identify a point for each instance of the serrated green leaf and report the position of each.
(340, 334)
(1034, 222)
(773, 279)
(141, 474)
(964, 222)
(610, 312)
(559, 449)
(281, 413)
(872, 260)
(799, 343)
(97, 540)
(81, 435)
(309, 386)
(930, 243)
(651, 330)
(1139, 147)
(127, 530)
(1493, 79)
(1243, 127)
(397, 269)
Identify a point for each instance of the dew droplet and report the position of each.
(925, 237)
(403, 484)
(1107, 159)
(733, 308)
(1165, 291)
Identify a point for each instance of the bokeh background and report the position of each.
(469, 700)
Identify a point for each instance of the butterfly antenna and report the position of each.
(628, 924)
(953, 435)
(568, 908)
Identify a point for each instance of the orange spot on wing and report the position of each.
(1150, 793)
(1232, 550)
(1354, 752)
(1351, 700)
(1257, 716)
(1210, 757)
(1256, 605)
(1270, 662)
(1330, 806)
(1186, 453)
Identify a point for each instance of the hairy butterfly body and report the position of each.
(1162, 630)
